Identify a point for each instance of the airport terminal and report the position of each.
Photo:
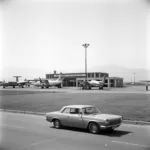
(73, 79)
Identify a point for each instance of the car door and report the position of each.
(64, 116)
(75, 118)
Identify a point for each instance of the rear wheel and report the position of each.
(94, 128)
(57, 124)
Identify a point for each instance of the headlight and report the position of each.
(107, 122)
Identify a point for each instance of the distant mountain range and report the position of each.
(113, 70)
(126, 73)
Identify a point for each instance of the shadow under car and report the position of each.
(115, 133)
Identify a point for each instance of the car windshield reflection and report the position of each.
(90, 110)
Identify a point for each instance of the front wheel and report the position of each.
(94, 128)
(57, 124)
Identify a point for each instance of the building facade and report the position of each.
(73, 79)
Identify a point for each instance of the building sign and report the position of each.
(70, 75)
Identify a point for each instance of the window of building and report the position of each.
(101, 75)
(47, 76)
(106, 75)
(97, 75)
(92, 75)
(51, 76)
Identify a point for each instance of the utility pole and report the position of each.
(17, 78)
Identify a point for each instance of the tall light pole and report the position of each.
(134, 77)
(85, 46)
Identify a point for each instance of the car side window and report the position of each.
(90, 110)
(74, 111)
(66, 110)
(83, 110)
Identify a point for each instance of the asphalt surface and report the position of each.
(31, 132)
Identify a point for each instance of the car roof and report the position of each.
(79, 106)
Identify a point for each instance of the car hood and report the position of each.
(105, 116)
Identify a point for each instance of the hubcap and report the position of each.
(94, 128)
(57, 124)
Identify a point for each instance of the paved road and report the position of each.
(31, 132)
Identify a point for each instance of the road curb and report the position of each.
(136, 122)
(23, 112)
(43, 114)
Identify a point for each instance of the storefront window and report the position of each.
(51, 76)
(92, 75)
(47, 76)
(97, 75)
(89, 75)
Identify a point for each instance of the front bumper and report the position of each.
(48, 119)
(103, 127)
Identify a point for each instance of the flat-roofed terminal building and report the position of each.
(73, 79)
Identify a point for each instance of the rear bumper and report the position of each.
(108, 127)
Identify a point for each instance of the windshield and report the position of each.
(90, 110)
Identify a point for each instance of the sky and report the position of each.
(40, 36)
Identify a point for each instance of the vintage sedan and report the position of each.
(84, 116)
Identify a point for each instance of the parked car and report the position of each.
(84, 116)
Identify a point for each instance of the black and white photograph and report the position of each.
(74, 74)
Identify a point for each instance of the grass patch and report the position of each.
(129, 105)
